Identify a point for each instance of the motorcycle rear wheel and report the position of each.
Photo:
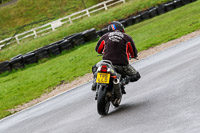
(103, 102)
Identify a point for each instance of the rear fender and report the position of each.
(104, 88)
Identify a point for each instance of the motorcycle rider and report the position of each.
(117, 47)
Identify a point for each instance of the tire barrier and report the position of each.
(5, 66)
(169, 6)
(30, 58)
(145, 15)
(80, 38)
(17, 62)
(129, 21)
(53, 49)
(41, 53)
(102, 31)
(178, 3)
(153, 12)
(65, 44)
(90, 35)
(99, 33)
(123, 22)
(137, 19)
(161, 9)
(76, 39)
(186, 1)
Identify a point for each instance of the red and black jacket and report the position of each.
(117, 47)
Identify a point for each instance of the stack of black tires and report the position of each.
(48, 51)
(149, 13)
(5, 66)
(80, 38)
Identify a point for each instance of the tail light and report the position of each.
(104, 68)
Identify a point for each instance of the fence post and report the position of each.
(35, 33)
(106, 8)
(104, 4)
(1, 46)
(70, 20)
(17, 39)
(88, 13)
(53, 29)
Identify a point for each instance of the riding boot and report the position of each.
(135, 77)
(93, 88)
(94, 69)
(123, 89)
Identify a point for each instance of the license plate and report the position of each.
(103, 78)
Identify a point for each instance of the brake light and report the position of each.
(114, 77)
(103, 68)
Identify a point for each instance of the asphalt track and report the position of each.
(165, 100)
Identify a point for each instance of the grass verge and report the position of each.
(22, 86)
(95, 21)
(21, 13)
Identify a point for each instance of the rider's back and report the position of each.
(116, 47)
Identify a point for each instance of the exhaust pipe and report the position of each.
(117, 88)
(116, 81)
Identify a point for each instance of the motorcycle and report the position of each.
(109, 86)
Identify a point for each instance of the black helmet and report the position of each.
(115, 25)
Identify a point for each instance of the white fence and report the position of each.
(45, 29)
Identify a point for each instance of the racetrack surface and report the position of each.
(165, 100)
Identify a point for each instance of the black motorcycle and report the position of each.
(109, 88)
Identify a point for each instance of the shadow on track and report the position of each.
(128, 107)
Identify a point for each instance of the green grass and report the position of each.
(166, 27)
(4, 1)
(24, 85)
(21, 13)
(98, 21)
(21, 86)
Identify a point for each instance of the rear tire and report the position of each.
(103, 102)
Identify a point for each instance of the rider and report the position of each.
(118, 47)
